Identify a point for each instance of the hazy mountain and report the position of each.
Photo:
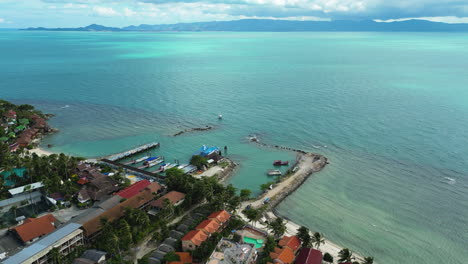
(282, 26)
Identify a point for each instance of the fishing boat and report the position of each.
(150, 160)
(274, 173)
(280, 163)
(141, 159)
(182, 166)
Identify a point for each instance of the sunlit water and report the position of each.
(388, 109)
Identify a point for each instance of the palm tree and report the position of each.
(345, 255)
(317, 239)
(304, 236)
(278, 227)
(368, 260)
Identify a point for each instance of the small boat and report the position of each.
(274, 173)
(150, 160)
(280, 163)
(141, 159)
(182, 166)
(220, 116)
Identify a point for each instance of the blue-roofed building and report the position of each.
(65, 239)
(8, 181)
(205, 151)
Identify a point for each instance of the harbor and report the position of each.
(128, 153)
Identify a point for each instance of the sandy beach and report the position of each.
(40, 151)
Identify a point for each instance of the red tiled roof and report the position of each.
(173, 197)
(196, 236)
(209, 226)
(285, 255)
(309, 256)
(10, 114)
(35, 227)
(221, 216)
(292, 242)
(133, 189)
(185, 258)
(82, 181)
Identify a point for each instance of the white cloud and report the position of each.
(128, 12)
(2, 20)
(444, 19)
(105, 11)
(70, 5)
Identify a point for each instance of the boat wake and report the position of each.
(450, 180)
(65, 106)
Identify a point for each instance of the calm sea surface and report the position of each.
(389, 110)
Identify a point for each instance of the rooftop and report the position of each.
(210, 226)
(228, 252)
(285, 255)
(35, 227)
(133, 189)
(172, 196)
(21, 189)
(196, 236)
(42, 244)
(292, 242)
(221, 216)
(309, 256)
(185, 257)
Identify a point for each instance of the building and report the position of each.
(184, 258)
(292, 242)
(64, 239)
(193, 239)
(34, 228)
(20, 201)
(26, 137)
(91, 256)
(228, 252)
(209, 226)
(22, 189)
(10, 115)
(114, 208)
(309, 256)
(175, 198)
(282, 255)
(222, 217)
(135, 188)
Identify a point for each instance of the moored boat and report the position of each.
(280, 163)
(274, 173)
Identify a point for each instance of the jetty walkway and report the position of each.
(121, 155)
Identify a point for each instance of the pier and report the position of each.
(138, 172)
(119, 156)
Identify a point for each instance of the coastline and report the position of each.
(40, 151)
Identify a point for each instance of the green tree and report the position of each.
(55, 256)
(345, 255)
(245, 194)
(198, 161)
(278, 227)
(303, 234)
(328, 258)
(318, 239)
(171, 256)
(368, 260)
(252, 214)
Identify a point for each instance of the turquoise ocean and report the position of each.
(388, 109)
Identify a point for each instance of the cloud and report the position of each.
(128, 12)
(105, 11)
(444, 19)
(2, 20)
(71, 5)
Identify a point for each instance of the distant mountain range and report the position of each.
(267, 25)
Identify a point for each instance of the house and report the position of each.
(174, 197)
(184, 258)
(99, 186)
(26, 137)
(293, 242)
(10, 115)
(193, 240)
(209, 226)
(222, 217)
(65, 239)
(309, 256)
(228, 252)
(282, 255)
(135, 188)
(20, 201)
(91, 256)
(34, 228)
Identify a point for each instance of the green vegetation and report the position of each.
(277, 227)
(269, 247)
(328, 258)
(318, 239)
(303, 234)
(345, 255)
(198, 161)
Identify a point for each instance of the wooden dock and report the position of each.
(128, 153)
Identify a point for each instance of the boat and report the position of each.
(141, 159)
(280, 163)
(274, 173)
(182, 166)
(150, 160)
(220, 116)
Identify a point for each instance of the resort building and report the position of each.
(193, 239)
(175, 198)
(26, 188)
(96, 186)
(91, 256)
(309, 256)
(209, 226)
(282, 255)
(114, 208)
(292, 242)
(20, 201)
(137, 187)
(64, 239)
(222, 217)
(227, 252)
(34, 228)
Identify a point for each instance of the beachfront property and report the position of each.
(25, 189)
(33, 229)
(64, 239)
(309, 256)
(228, 252)
(215, 222)
(286, 252)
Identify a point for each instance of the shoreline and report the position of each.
(40, 151)
(307, 164)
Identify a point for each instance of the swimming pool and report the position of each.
(257, 242)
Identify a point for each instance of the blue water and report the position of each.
(388, 109)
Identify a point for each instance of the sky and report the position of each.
(75, 13)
